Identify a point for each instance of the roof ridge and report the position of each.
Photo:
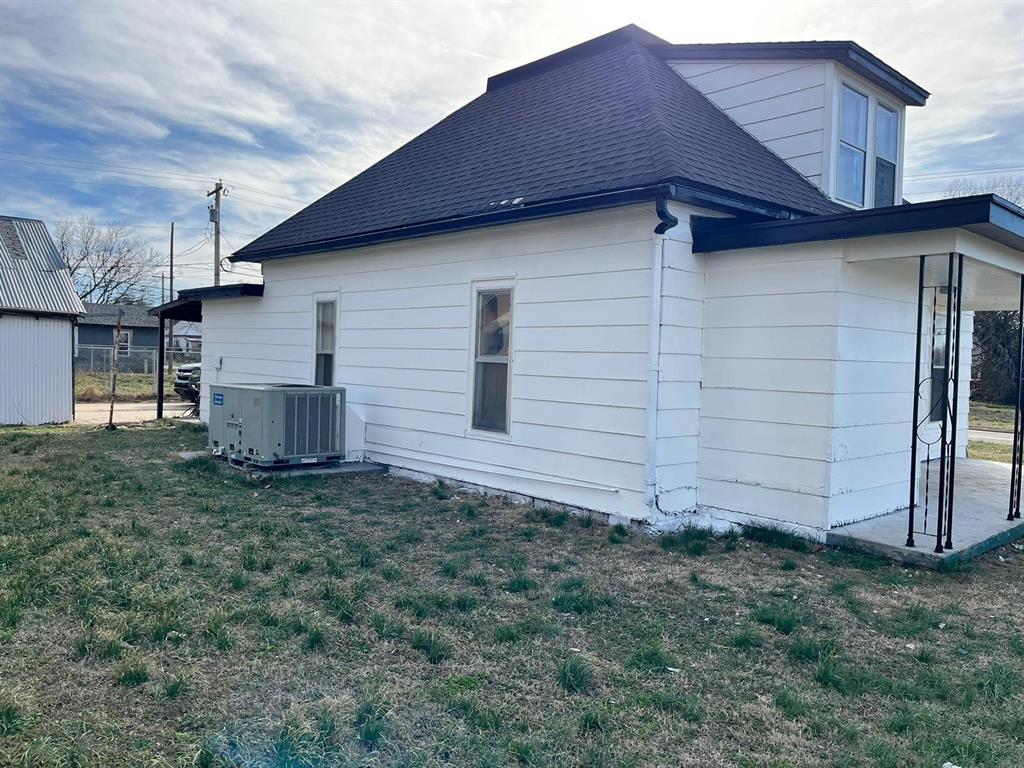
(659, 143)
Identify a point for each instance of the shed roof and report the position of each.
(132, 315)
(606, 116)
(33, 277)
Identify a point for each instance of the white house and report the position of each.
(38, 309)
(663, 282)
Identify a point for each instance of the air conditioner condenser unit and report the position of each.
(270, 425)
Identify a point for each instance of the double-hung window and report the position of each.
(491, 360)
(853, 145)
(326, 311)
(887, 138)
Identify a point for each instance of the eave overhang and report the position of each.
(989, 216)
(846, 52)
(189, 304)
(683, 192)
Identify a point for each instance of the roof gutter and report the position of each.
(684, 193)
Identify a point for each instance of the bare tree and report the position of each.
(1010, 188)
(996, 334)
(109, 264)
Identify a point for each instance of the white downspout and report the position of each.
(654, 372)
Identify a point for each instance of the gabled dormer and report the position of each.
(833, 111)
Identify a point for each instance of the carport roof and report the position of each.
(189, 304)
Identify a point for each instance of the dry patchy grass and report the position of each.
(992, 416)
(173, 613)
(131, 387)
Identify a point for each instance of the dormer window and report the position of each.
(853, 145)
(887, 139)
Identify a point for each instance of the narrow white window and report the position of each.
(853, 145)
(491, 360)
(887, 133)
(326, 311)
(124, 343)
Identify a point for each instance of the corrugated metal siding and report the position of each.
(41, 282)
(35, 369)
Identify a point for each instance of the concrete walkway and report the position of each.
(989, 436)
(126, 413)
(979, 521)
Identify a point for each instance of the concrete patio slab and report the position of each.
(979, 522)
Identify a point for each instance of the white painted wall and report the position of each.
(784, 104)
(793, 108)
(681, 370)
(35, 369)
(874, 394)
(769, 373)
(580, 352)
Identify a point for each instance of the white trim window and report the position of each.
(325, 321)
(491, 359)
(124, 342)
(853, 146)
(887, 142)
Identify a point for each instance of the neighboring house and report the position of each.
(663, 282)
(139, 330)
(187, 336)
(38, 308)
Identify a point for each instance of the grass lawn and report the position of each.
(981, 449)
(992, 416)
(131, 387)
(166, 613)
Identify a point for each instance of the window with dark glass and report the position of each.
(491, 360)
(938, 366)
(887, 131)
(853, 145)
(325, 315)
(124, 343)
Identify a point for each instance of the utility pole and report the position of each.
(170, 297)
(218, 188)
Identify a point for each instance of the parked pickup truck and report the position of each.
(186, 381)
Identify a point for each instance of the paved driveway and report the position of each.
(989, 436)
(97, 413)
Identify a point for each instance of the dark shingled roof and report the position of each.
(132, 315)
(606, 115)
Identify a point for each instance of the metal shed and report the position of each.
(38, 312)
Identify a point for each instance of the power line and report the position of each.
(98, 183)
(66, 162)
(260, 202)
(977, 172)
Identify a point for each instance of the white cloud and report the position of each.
(294, 98)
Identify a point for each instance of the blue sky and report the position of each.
(127, 112)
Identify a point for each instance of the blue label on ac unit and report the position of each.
(218, 398)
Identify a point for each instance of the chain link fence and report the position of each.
(91, 359)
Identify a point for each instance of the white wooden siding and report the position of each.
(783, 104)
(681, 369)
(580, 345)
(35, 370)
(769, 375)
(874, 395)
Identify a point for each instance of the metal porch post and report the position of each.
(160, 369)
(956, 399)
(939, 519)
(1018, 439)
(917, 385)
